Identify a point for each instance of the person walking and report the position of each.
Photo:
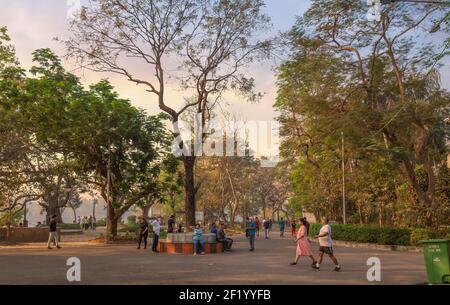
(303, 245)
(293, 227)
(143, 232)
(305, 221)
(156, 225)
(251, 232)
(198, 239)
(222, 237)
(266, 225)
(53, 234)
(270, 224)
(282, 225)
(326, 245)
(258, 226)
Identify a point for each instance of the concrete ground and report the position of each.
(124, 264)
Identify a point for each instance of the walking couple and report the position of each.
(325, 243)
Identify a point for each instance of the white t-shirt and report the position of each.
(156, 227)
(325, 241)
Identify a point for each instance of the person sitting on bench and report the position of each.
(222, 237)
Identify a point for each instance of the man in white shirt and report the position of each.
(156, 225)
(326, 245)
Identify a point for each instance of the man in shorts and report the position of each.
(326, 245)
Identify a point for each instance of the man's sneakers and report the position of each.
(337, 268)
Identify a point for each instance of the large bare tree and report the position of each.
(212, 40)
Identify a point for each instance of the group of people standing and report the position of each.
(87, 223)
(266, 224)
(144, 230)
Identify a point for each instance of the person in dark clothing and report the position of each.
(143, 232)
(171, 224)
(53, 234)
(213, 229)
(222, 237)
(180, 228)
(306, 224)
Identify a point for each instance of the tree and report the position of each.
(379, 85)
(106, 133)
(213, 40)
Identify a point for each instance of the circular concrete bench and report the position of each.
(183, 243)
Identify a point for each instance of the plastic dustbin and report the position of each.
(437, 260)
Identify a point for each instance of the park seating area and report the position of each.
(182, 243)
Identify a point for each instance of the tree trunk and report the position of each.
(111, 221)
(51, 210)
(112, 228)
(74, 215)
(189, 191)
(146, 209)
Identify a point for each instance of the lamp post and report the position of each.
(343, 181)
(108, 194)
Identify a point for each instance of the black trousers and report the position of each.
(143, 237)
(227, 243)
(155, 242)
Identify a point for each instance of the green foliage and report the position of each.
(101, 223)
(131, 220)
(393, 126)
(11, 219)
(418, 235)
(69, 226)
(376, 235)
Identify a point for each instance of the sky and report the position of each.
(34, 24)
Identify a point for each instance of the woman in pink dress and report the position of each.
(303, 244)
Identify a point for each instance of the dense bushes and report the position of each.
(374, 234)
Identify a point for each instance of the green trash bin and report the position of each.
(437, 260)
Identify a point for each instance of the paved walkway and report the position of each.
(123, 264)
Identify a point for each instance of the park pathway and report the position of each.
(123, 264)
